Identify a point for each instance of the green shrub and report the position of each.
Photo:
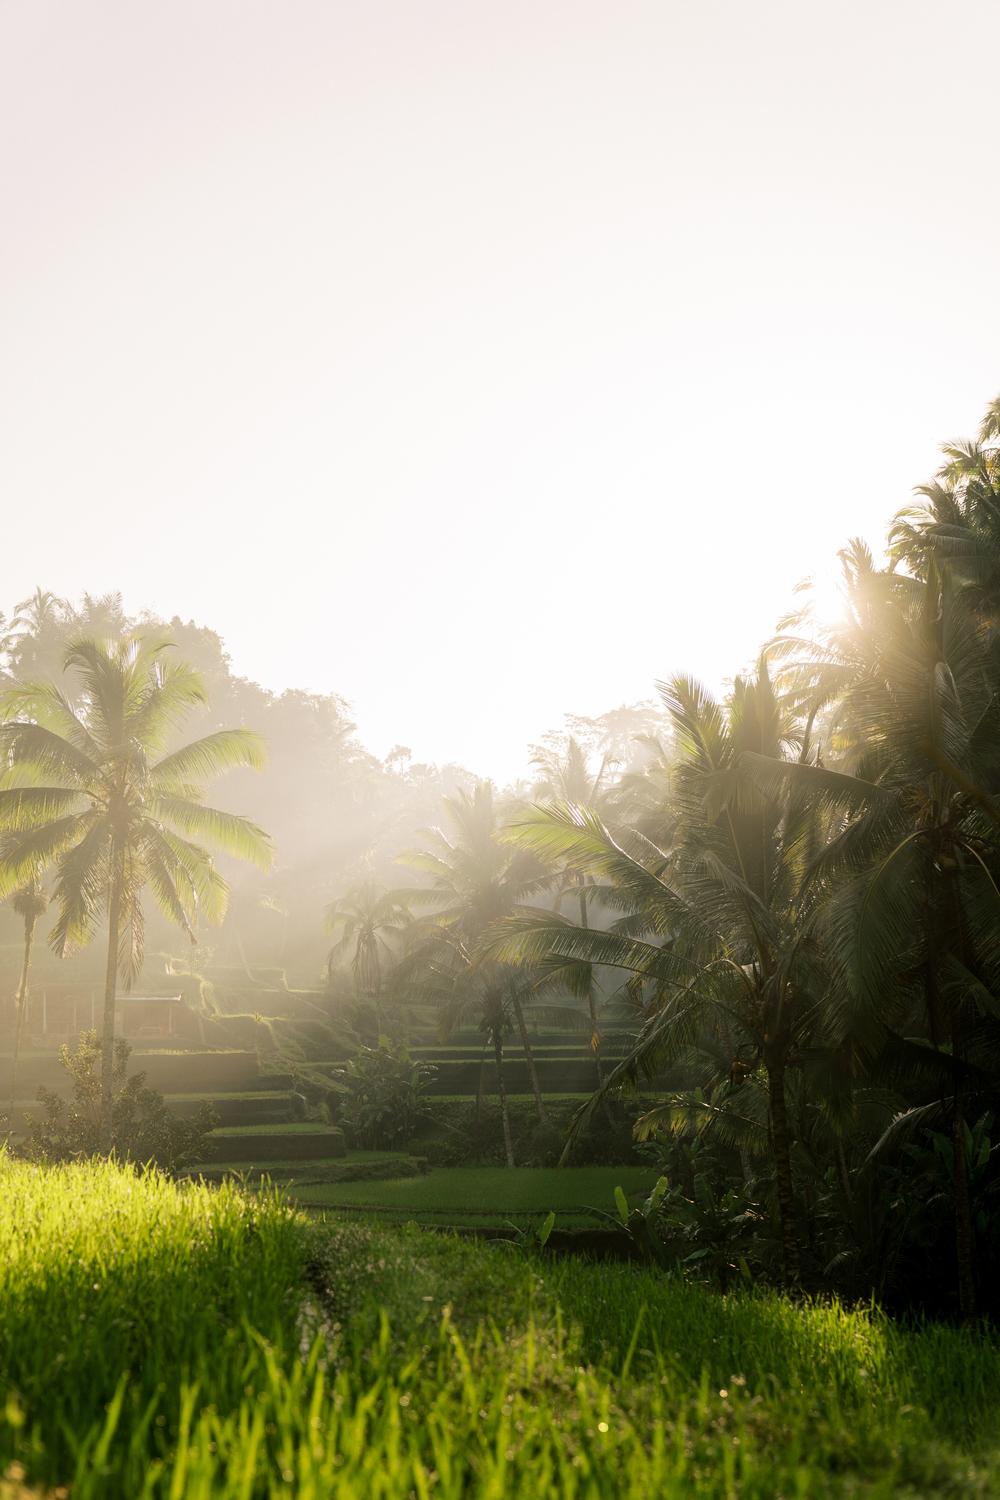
(142, 1128)
(381, 1096)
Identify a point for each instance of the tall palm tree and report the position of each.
(364, 921)
(30, 902)
(718, 929)
(104, 801)
(475, 879)
(565, 776)
(491, 994)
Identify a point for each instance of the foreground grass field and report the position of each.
(165, 1341)
(484, 1195)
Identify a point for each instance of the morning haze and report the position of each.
(385, 332)
(499, 750)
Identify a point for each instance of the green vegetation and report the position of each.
(141, 1127)
(353, 1166)
(169, 1341)
(484, 1195)
(286, 1127)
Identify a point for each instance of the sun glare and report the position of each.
(826, 597)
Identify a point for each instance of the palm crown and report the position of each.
(108, 806)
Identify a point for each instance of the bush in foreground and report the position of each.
(142, 1127)
(177, 1341)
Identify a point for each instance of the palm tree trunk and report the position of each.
(782, 1153)
(242, 952)
(22, 1000)
(844, 1175)
(110, 997)
(502, 1091)
(529, 1058)
(964, 1249)
(595, 1035)
(964, 1238)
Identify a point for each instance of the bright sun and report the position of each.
(826, 597)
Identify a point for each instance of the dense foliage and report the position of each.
(382, 1095)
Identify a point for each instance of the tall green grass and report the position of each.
(113, 1283)
(180, 1341)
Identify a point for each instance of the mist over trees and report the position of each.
(338, 815)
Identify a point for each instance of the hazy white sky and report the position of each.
(483, 362)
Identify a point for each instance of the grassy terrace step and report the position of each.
(512, 1048)
(355, 1166)
(247, 1108)
(169, 1071)
(232, 1107)
(471, 1075)
(490, 1097)
(483, 1196)
(259, 1144)
(562, 1075)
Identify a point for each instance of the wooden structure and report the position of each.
(59, 1013)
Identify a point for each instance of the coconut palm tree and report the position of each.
(30, 902)
(475, 879)
(491, 994)
(565, 776)
(364, 922)
(105, 802)
(717, 930)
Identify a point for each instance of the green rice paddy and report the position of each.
(484, 1195)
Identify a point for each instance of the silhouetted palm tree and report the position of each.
(113, 811)
(475, 878)
(364, 920)
(30, 902)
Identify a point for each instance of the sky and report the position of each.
(483, 363)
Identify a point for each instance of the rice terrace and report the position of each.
(499, 751)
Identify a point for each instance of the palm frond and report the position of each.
(216, 753)
(26, 807)
(229, 832)
(49, 753)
